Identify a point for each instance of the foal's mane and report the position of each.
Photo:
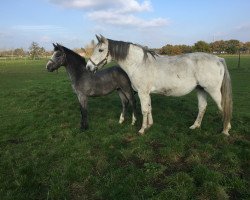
(119, 49)
(69, 52)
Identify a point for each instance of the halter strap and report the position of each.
(102, 61)
(64, 55)
(52, 60)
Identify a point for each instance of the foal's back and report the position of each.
(105, 81)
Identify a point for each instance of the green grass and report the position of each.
(43, 155)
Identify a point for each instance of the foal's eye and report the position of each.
(100, 50)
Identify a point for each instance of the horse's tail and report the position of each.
(226, 92)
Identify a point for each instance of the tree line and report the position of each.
(217, 47)
(34, 52)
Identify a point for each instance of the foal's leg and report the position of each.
(146, 111)
(202, 104)
(124, 101)
(131, 98)
(83, 108)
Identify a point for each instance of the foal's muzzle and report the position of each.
(50, 67)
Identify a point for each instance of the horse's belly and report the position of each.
(179, 89)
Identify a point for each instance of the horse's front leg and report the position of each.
(83, 108)
(150, 117)
(146, 111)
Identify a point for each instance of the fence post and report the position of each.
(239, 60)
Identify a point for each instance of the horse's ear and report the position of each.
(98, 38)
(103, 39)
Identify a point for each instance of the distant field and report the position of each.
(45, 156)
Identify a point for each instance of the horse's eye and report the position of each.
(100, 50)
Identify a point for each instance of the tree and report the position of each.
(246, 47)
(218, 47)
(202, 46)
(232, 46)
(19, 52)
(36, 50)
(186, 49)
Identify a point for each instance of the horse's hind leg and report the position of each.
(132, 102)
(202, 104)
(216, 96)
(124, 101)
(146, 109)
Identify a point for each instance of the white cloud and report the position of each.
(40, 28)
(116, 12)
(45, 38)
(129, 20)
(127, 5)
(243, 27)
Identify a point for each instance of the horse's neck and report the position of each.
(134, 60)
(75, 68)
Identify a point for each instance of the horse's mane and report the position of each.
(69, 52)
(119, 50)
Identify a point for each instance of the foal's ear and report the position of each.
(55, 47)
(60, 47)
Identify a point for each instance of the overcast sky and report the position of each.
(154, 23)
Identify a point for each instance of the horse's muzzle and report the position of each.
(91, 67)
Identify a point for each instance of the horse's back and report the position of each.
(181, 74)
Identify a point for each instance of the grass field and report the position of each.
(44, 155)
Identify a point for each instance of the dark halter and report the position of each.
(102, 61)
(64, 56)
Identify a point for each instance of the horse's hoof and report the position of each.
(226, 133)
(194, 126)
(149, 125)
(141, 132)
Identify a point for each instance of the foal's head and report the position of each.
(58, 58)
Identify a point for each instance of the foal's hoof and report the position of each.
(84, 128)
(133, 120)
(121, 121)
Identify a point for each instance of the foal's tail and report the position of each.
(226, 92)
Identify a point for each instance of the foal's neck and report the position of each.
(75, 67)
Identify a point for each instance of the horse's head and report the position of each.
(100, 56)
(58, 58)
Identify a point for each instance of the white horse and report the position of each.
(170, 76)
